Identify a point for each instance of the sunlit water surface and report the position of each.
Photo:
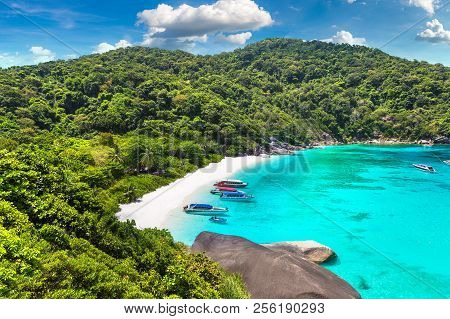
(388, 222)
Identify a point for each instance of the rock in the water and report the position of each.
(272, 274)
(310, 249)
(442, 140)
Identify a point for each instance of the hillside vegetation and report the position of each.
(79, 137)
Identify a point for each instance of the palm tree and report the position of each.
(147, 158)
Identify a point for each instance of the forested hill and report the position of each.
(292, 89)
(79, 137)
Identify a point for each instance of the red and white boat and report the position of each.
(234, 183)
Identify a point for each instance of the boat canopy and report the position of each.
(200, 206)
(234, 194)
(424, 166)
(231, 181)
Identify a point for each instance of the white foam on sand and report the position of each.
(153, 209)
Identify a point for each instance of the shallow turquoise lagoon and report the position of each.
(388, 222)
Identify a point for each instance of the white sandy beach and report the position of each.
(153, 209)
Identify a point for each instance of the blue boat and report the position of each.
(236, 196)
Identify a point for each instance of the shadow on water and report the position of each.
(334, 261)
(362, 283)
(360, 217)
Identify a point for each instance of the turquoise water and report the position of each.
(388, 222)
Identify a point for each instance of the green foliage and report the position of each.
(79, 137)
(61, 239)
(233, 288)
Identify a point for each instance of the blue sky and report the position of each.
(38, 31)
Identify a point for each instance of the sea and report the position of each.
(388, 222)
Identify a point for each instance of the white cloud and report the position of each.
(435, 33)
(185, 23)
(239, 38)
(194, 38)
(105, 47)
(122, 44)
(346, 37)
(428, 5)
(71, 56)
(41, 54)
(8, 59)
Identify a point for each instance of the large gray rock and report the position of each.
(442, 140)
(272, 274)
(309, 249)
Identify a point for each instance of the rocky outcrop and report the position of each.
(424, 142)
(277, 147)
(272, 274)
(308, 249)
(442, 140)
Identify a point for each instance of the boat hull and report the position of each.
(425, 169)
(236, 186)
(207, 213)
(237, 199)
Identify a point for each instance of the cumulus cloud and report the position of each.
(195, 24)
(435, 33)
(194, 38)
(238, 39)
(428, 5)
(342, 37)
(105, 47)
(41, 54)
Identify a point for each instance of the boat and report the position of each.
(219, 190)
(235, 183)
(204, 209)
(218, 220)
(446, 162)
(424, 167)
(237, 196)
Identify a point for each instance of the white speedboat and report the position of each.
(424, 167)
(204, 209)
(236, 196)
(446, 162)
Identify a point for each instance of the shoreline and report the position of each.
(154, 209)
(383, 141)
